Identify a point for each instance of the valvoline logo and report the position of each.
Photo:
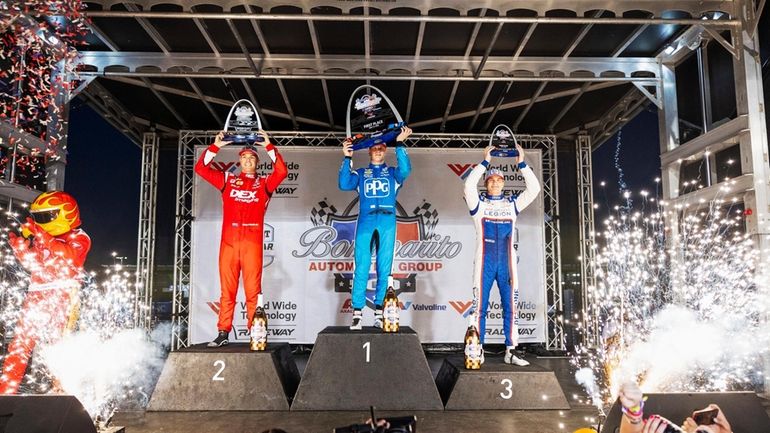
(462, 307)
(462, 170)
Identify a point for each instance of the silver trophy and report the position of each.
(504, 142)
(371, 118)
(243, 123)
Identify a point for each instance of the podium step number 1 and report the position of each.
(352, 370)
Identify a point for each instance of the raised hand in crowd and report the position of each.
(631, 400)
(720, 425)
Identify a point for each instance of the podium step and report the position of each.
(351, 370)
(228, 378)
(498, 386)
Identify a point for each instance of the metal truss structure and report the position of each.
(589, 320)
(184, 216)
(145, 248)
(180, 313)
(257, 59)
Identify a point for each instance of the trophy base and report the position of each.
(243, 138)
(505, 153)
(384, 137)
(198, 378)
(498, 386)
(352, 370)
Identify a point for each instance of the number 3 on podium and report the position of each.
(508, 388)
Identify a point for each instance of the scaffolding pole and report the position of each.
(145, 250)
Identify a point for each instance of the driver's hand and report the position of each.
(347, 147)
(219, 140)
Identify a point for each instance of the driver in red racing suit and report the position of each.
(245, 198)
(53, 250)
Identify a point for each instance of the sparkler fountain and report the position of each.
(678, 300)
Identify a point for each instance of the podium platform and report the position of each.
(351, 370)
(498, 386)
(228, 378)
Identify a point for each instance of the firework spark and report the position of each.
(102, 358)
(677, 301)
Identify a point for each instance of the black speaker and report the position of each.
(43, 414)
(743, 410)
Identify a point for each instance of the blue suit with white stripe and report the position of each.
(495, 259)
(377, 187)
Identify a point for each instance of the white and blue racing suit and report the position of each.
(495, 259)
(377, 187)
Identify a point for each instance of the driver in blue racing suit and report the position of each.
(377, 187)
(494, 216)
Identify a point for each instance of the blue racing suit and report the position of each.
(377, 187)
(495, 258)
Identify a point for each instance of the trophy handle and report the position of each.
(232, 110)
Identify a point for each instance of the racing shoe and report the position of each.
(511, 358)
(378, 317)
(357, 324)
(220, 341)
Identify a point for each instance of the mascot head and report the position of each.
(56, 212)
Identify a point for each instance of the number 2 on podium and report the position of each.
(221, 365)
(367, 346)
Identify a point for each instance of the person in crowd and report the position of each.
(633, 420)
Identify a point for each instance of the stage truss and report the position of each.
(184, 216)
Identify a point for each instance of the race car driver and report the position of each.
(494, 216)
(377, 186)
(245, 198)
(52, 249)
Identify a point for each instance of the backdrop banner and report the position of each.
(309, 233)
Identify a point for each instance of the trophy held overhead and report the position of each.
(374, 123)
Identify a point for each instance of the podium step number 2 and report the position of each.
(228, 378)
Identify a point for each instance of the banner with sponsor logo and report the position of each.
(308, 249)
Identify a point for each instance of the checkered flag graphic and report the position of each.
(429, 217)
(320, 214)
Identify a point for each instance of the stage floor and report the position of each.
(525, 421)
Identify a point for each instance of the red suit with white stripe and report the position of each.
(55, 265)
(245, 198)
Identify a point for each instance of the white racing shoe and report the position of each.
(357, 323)
(378, 318)
(511, 358)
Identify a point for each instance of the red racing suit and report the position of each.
(55, 265)
(245, 198)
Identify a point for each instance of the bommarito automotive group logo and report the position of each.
(329, 246)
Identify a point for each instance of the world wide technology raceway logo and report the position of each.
(330, 245)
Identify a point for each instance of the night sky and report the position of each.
(103, 176)
(103, 172)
